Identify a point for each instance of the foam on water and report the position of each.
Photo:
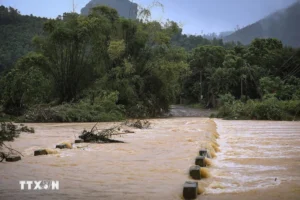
(154, 163)
(253, 158)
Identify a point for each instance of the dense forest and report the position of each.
(16, 33)
(283, 25)
(103, 67)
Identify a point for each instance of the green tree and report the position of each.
(75, 47)
(25, 85)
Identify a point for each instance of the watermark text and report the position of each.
(39, 185)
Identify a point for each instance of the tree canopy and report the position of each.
(87, 68)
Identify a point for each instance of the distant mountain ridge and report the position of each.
(125, 8)
(283, 25)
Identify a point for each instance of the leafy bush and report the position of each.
(24, 85)
(229, 107)
(270, 108)
(8, 131)
(231, 111)
(292, 108)
(102, 108)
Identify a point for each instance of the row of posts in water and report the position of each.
(190, 188)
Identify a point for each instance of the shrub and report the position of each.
(102, 108)
(231, 111)
(270, 108)
(292, 108)
(227, 99)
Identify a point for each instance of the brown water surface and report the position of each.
(151, 164)
(258, 160)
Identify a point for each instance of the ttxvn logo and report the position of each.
(39, 185)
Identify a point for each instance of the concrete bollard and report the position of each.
(195, 172)
(79, 141)
(13, 158)
(200, 161)
(205, 153)
(40, 152)
(190, 190)
(61, 146)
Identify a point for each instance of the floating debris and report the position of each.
(101, 136)
(140, 124)
(27, 129)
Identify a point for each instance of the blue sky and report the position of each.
(195, 15)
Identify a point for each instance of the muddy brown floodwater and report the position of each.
(258, 160)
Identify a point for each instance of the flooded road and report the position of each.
(258, 160)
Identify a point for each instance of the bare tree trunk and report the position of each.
(200, 86)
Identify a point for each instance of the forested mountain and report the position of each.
(283, 25)
(16, 33)
(225, 34)
(190, 42)
(125, 8)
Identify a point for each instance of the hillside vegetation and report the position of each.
(283, 25)
(16, 33)
(102, 67)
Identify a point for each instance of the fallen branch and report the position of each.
(94, 127)
(12, 150)
(8, 132)
(140, 124)
(2, 156)
(95, 135)
(5, 155)
(124, 133)
(26, 129)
